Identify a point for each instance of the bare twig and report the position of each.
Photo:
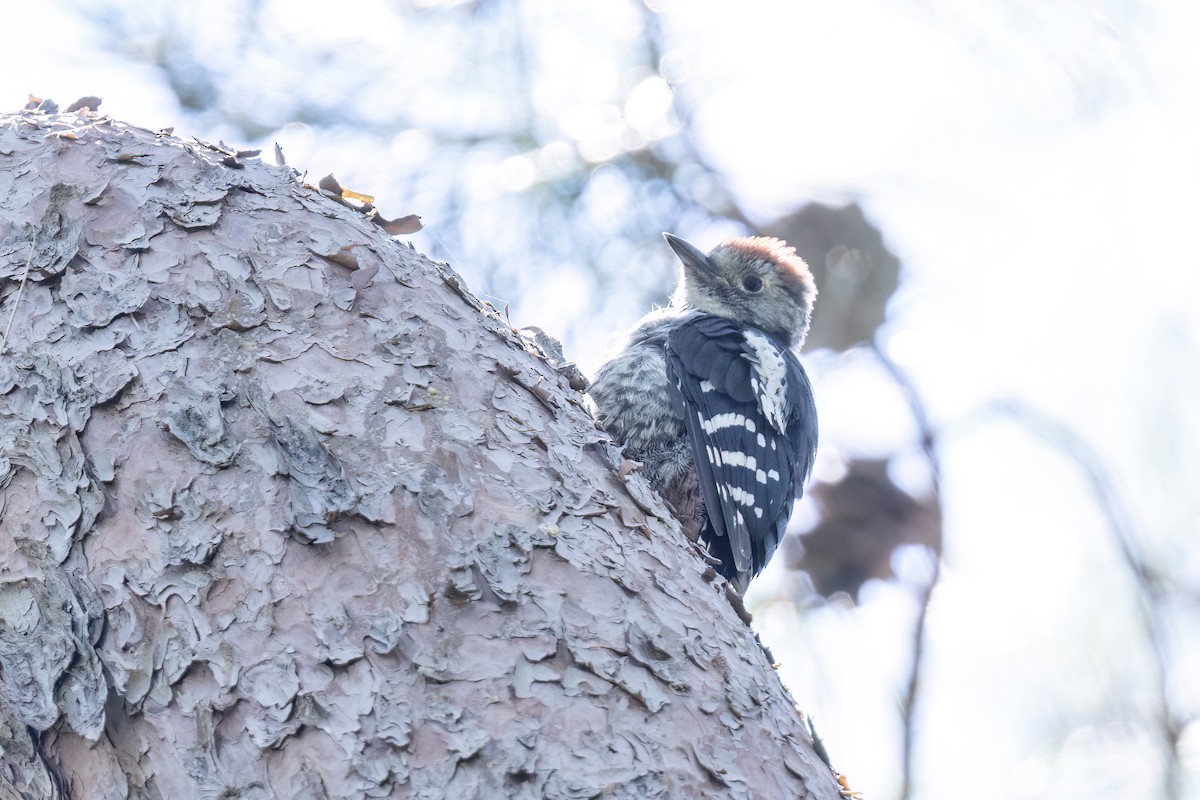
(924, 591)
(17, 301)
(1152, 592)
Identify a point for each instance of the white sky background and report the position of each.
(1036, 167)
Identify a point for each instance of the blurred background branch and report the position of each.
(1154, 595)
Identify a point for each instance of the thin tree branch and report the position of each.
(1151, 591)
(924, 591)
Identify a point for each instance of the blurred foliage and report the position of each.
(529, 157)
(864, 518)
(854, 269)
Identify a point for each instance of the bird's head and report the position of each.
(755, 280)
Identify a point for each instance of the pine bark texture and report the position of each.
(286, 512)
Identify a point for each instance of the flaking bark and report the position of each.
(286, 512)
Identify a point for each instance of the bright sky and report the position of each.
(1035, 165)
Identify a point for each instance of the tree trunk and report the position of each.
(287, 512)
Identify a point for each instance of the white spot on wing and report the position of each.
(770, 372)
(736, 458)
(733, 458)
(721, 421)
(741, 496)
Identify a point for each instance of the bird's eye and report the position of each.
(752, 284)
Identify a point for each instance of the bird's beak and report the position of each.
(691, 257)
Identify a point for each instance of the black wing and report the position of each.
(752, 450)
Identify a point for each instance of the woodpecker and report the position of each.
(708, 394)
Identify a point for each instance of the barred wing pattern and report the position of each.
(748, 407)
